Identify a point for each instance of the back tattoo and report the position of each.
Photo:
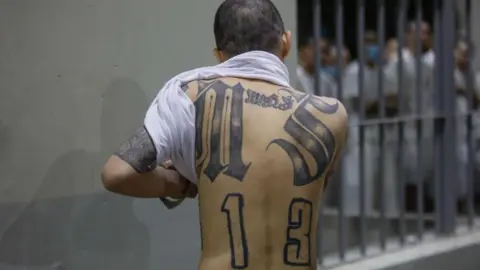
(224, 104)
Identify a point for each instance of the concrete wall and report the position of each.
(75, 80)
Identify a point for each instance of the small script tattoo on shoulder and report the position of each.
(139, 151)
(273, 101)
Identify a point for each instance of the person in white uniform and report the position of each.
(306, 69)
(410, 72)
(371, 143)
(462, 106)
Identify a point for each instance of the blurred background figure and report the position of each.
(344, 55)
(371, 71)
(461, 77)
(306, 68)
(413, 103)
(425, 38)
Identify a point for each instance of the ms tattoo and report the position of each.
(224, 103)
(310, 133)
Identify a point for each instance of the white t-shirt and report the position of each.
(170, 121)
(409, 79)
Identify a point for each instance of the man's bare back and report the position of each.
(263, 154)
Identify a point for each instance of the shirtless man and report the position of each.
(263, 153)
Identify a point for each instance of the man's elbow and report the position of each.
(112, 175)
(108, 179)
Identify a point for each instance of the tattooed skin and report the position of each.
(139, 151)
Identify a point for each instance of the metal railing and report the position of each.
(438, 127)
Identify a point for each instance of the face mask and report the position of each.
(329, 70)
(372, 52)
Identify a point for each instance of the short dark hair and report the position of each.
(247, 25)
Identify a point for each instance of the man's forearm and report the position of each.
(152, 184)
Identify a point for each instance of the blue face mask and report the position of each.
(329, 70)
(373, 52)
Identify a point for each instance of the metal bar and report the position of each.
(469, 121)
(406, 118)
(402, 9)
(446, 129)
(439, 122)
(381, 130)
(317, 20)
(342, 232)
(317, 29)
(419, 122)
(449, 183)
(361, 86)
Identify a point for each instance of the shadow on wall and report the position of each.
(83, 232)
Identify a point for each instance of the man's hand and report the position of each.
(188, 189)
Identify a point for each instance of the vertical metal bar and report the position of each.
(317, 29)
(317, 13)
(361, 86)
(419, 121)
(439, 112)
(381, 130)
(450, 185)
(402, 9)
(342, 232)
(470, 95)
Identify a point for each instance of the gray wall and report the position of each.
(75, 80)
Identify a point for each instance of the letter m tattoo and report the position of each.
(219, 107)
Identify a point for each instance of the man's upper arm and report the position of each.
(139, 151)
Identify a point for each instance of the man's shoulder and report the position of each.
(193, 88)
(331, 112)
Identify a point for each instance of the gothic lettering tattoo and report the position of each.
(139, 151)
(273, 101)
(219, 130)
(312, 135)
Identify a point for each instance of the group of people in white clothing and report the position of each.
(390, 165)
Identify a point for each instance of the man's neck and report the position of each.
(309, 71)
(306, 69)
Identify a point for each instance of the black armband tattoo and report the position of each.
(139, 151)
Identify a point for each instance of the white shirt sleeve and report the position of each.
(170, 121)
